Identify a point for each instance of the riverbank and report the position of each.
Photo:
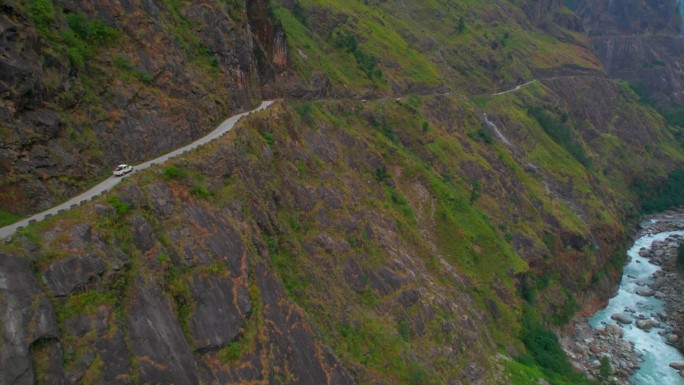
(648, 309)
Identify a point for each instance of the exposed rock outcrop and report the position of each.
(27, 319)
(160, 75)
(639, 41)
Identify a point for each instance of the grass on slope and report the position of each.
(7, 218)
(471, 45)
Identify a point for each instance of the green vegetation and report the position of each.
(94, 32)
(200, 191)
(399, 203)
(372, 346)
(680, 256)
(177, 281)
(665, 196)
(481, 135)
(365, 39)
(567, 311)
(367, 63)
(123, 63)
(605, 370)
(81, 38)
(86, 303)
(231, 353)
(475, 191)
(7, 218)
(381, 173)
(674, 115)
(143, 76)
(461, 25)
(235, 350)
(120, 207)
(305, 111)
(561, 133)
(286, 262)
(545, 350)
(404, 330)
(93, 374)
(42, 13)
(175, 172)
(268, 137)
(299, 14)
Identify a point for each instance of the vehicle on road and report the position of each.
(122, 169)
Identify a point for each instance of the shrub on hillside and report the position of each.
(545, 349)
(669, 195)
(561, 133)
(368, 63)
(173, 172)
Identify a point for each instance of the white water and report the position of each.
(656, 353)
(498, 133)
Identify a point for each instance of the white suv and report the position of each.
(122, 169)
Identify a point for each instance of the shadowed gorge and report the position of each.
(437, 190)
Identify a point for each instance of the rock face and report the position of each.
(177, 323)
(639, 41)
(220, 311)
(156, 337)
(27, 320)
(70, 274)
(140, 90)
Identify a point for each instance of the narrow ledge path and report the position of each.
(224, 127)
(112, 181)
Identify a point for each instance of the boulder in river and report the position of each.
(614, 330)
(646, 292)
(677, 365)
(645, 324)
(621, 318)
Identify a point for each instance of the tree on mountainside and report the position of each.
(461, 25)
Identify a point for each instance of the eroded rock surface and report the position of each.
(26, 317)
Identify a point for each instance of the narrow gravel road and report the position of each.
(112, 181)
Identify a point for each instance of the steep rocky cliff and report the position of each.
(442, 183)
(640, 42)
(86, 85)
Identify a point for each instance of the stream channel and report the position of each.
(656, 354)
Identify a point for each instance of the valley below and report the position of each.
(636, 338)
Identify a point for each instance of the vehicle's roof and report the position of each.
(122, 165)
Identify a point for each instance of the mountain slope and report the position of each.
(395, 220)
(87, 86)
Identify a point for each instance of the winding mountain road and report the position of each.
(112, 181)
